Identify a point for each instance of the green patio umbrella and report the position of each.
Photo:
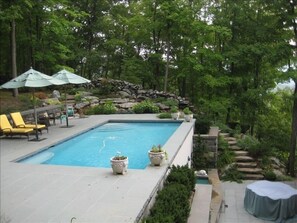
(33, 79)
(69, 78)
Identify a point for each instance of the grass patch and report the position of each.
(8, 103)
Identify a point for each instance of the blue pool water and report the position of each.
(94, 148)
(202, 181)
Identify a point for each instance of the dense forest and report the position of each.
(226, 56)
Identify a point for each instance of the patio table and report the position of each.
(272, 201)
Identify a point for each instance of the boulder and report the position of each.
(163, 107)
(124, 94)
(127, 105)
(81, 105)
(56, 94)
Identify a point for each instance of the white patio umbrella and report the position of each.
(33, 79)
(69, 78)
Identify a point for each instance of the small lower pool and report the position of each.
(202, 180)
(95, 147)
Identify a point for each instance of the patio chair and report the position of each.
(8, 130)
(19, 123)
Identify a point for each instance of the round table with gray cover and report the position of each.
(273, 201)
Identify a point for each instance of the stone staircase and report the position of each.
(246, 164)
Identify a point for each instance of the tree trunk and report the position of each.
(293, 143)
(167, 67)
(13, 56)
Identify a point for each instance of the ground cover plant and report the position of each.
(145, 106)
(172, 203)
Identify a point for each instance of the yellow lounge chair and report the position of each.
(19, 122)
(8, 130)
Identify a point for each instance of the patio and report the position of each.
(47, 193)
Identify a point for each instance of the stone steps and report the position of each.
(240, 153)
(253, 177)
(235, 147)
(229, 138)
(246, 164)
(244, 159)
(232, 143)
(224, 134)
(250, 170)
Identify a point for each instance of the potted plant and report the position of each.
(157, 155)
(174, 112)
(119, 163)
(188, 115)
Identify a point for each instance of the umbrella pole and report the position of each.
(35, 115)
(66, 108)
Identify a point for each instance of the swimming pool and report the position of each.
(95, 147)
(202, 180)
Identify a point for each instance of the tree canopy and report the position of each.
(225, 56)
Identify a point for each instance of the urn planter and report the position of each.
(188, 118)
(156, 158)
(157, 155)
(175, 115)
(188, 115)
(119, 165)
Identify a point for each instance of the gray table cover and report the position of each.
(272, 201)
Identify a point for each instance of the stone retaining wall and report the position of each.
(127, 95)
(211, 141)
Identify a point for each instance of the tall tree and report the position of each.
(286, 13)
(293, 145)
(11, 12)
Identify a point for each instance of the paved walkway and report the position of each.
(51, 193)
(234, 211)
(201, 204)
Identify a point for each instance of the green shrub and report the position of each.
(51, 101)
(202, 125)
(265, 162)
(284, 178)
(222, 143)
(255, 148)
(225, 157)
(89, 111)
(77, 97)
(187, 111)
(200, 158)
(173, 109)
(172, 202)
(270, 175)
(170, 102)
(164, 115)
(182, 175)
(232, 174)
(223, 127)
(171, 205)
(250, 144)
(145, 106)
(107, 108)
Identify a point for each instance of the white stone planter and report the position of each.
(188, 118)
(119, 166)
(175, 116)
(156, 158)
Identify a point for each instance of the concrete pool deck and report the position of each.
(49, 193)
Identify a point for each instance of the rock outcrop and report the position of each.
(126, 96)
